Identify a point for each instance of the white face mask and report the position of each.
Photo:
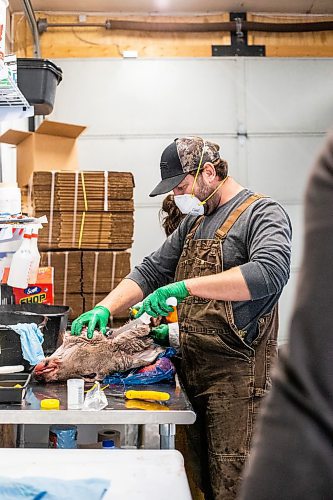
(189, 204)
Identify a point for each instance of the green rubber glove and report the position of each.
(155, 304)
(160, 335)
(95, 318)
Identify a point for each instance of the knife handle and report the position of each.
(150, 395)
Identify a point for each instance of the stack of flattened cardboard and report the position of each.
(83, 191)
(84, 278)
(86, 210)
(90, 224)
(101, 273)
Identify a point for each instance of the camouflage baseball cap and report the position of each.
(180, 158)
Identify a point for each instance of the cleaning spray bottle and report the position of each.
(21, 261)
(35, 257)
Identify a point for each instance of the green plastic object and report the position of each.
(160, 335)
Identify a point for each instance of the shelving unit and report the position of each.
(13, 104)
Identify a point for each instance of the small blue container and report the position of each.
(63, 436)
(108, 444)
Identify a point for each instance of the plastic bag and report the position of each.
(95, 399)
(162, 370)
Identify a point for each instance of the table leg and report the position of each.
(167, 436)
(20, 435)
(141, 437)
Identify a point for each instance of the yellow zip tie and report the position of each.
(76, 180)
(95, 277)
(81, 228)
(93, 387)
(84, 191)
(215, 190)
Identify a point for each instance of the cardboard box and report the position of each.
(51, 147)
(67, 272)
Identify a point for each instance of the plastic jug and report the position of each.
(35, 257)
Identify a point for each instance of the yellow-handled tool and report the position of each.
(147, 395)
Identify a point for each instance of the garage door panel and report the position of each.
(148, 96)
(286, 307)
(295, 213)
(289, 95)
(280, 166)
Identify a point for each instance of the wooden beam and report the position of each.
(311, 44)
(99, 42)
(7, 436)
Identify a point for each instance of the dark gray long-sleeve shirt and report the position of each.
(259, 242)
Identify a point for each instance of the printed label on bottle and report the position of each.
(174, 335)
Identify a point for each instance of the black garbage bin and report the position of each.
(56, 318)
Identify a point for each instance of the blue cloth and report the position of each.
(31, 341)
(44, 488)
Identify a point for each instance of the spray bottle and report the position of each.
(35, 257)
(20, 265)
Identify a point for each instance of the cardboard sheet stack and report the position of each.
(88, 210)
(90, 225)
(83, 278)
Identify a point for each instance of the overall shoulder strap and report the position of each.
(222, 232)
(193, 229)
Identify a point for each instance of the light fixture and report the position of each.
(129, 54)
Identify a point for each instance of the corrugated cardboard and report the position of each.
(84, 191)
(88, 230)
(51, 147)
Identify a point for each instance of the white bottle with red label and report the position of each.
(21, 261)
(35, 257)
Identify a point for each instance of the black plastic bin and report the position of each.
(56, 318)
(38, 79)
(10, 344)
(8, 392)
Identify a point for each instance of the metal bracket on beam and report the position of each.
(239, 45)
(42, 25)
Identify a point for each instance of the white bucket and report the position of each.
(3, 9)
(10, 199)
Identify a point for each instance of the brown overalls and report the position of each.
(224, 377)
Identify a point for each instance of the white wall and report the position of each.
(134, 108)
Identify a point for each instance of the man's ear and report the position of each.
(209, 172)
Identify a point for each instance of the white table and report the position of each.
(133, 474)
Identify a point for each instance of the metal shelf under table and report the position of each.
(177, 411)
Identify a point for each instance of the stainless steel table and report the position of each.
(178, 410)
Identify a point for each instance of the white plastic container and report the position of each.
(173, 324)
(75, 393)
(10, 196)
(35, 257)
(20, 265)
(3, 8)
